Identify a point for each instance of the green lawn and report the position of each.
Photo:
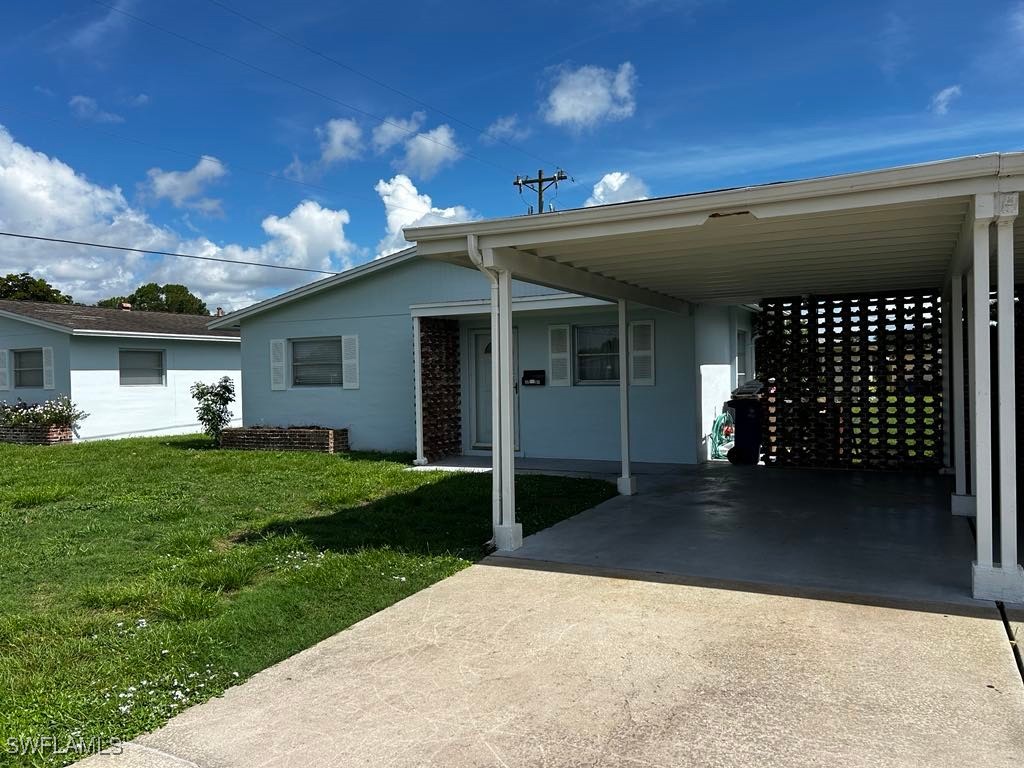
(140, 577)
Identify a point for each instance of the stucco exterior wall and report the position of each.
(380, 413)
(15, 334)
(715, 330)
(137, 411)
(582, 421)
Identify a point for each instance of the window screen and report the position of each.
(140, 367)
(316, 362)
(597, 353)
(28, 368)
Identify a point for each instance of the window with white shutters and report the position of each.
(317, 362)
(27, 365)
(641, 353)
(597, 354)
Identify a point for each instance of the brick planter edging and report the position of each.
(285, 439)
(35, 435)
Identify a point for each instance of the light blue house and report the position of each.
(349, 351)
(130, 371)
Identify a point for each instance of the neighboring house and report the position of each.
(341, 352)
(130, 371)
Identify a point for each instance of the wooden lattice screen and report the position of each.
(851, 381)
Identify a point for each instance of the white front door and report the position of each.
(480, 391)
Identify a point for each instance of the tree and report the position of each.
(212, 401)
(24, 287)
(152, 297)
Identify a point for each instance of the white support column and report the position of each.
(627, 481)
(496, 463)
(981, 414)
(1005, 580)
(972, 362)
(962, 501)
(1007, 212)
(509, 535)
(417, 363)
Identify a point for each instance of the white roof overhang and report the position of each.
(895, 229)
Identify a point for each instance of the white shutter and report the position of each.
(641, 353)
(350, 362)
(278, 364)
(5, 370)
(48, 368)
(559, 354)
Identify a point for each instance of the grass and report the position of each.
(140, 577)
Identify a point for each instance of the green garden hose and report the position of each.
(718, 436)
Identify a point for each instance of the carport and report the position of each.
(945, 227)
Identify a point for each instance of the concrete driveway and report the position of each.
(503, 666)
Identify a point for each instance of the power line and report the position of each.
(198, 156)
(369, 78)
(296, 84)
(65, 241)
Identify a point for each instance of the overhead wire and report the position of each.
(109, 246)
(196, 156)
(370, 78)
(296, 84)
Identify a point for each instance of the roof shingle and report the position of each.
(75, 317)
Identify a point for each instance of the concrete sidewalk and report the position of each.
(505, 666)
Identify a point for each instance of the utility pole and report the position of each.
(542, 183)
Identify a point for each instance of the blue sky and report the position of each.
(106, 119)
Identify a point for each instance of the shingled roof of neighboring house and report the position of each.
(101, 321)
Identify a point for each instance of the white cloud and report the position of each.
(945, 97)
(582, 98)
(617, 187)
(96, 31)
(894, 44)
(507, 128)
(87, 108)
(405, 206)
(185, 188)
(140, 100)
(395, 130)
(41, 195)
(340, 139)
(429, 152)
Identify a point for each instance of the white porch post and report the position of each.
(496, 462)
(508, 534)
(421, 458)
(962, 501)
(627, 482)
(972, 387)
(1005, 580)
(945, 312)
(1006, 213)
(981, 416)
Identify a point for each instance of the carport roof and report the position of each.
(894, 229)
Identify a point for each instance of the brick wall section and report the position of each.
(442, 387)
(35, 435)
(285, 439)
